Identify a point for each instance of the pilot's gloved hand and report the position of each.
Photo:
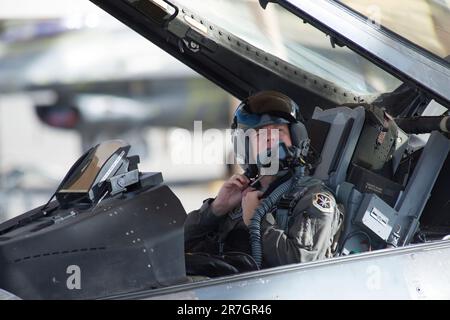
(230, 194)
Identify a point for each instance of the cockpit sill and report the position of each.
(392, 263)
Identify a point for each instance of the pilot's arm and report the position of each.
(199, 223)
(310, 235)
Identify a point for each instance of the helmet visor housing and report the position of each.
(266, 107)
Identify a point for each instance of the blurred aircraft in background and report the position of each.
(80, 78)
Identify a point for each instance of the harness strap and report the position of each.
(286, 205)
(288, 201)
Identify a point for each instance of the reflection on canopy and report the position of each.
(280, 33)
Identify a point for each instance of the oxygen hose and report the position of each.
(262, 210)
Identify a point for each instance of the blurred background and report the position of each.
(72, 76)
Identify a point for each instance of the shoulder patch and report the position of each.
(324, 202)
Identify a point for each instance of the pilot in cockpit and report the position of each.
(273, 214)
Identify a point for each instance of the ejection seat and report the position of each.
(334, 135)
(344, 128)
(379, 212)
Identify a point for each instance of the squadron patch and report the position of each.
(323, 202)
